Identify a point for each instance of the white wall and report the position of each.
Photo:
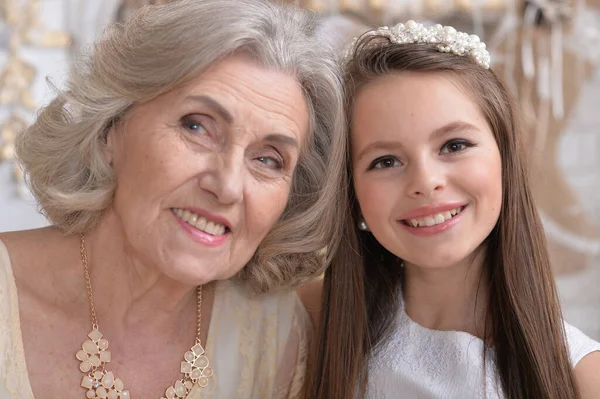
(83, 19)
(16, 212)
(579, 157)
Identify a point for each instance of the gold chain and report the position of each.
(199, 312)
(94, 355)
(88, 282)
(90, 294)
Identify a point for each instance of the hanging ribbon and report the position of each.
(552, 13)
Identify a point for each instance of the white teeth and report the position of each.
(437, 218)
(200, 222)
(210, 228)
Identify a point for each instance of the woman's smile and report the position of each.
(204, 230)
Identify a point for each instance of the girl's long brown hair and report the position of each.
(361, 287)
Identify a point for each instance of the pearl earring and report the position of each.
(362, 225)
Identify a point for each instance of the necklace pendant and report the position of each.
(102, 384)
(196, 370)
(98, 382)
(196, 366)
(180, 389)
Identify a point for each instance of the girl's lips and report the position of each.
(433, 219)
(432, 209)
(427, 231)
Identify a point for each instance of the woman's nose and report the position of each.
(226, 180)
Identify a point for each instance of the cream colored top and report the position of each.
(257, 346)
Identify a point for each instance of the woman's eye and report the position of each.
(271, 162)
(192, 123)
(455, 146)
(385, 163)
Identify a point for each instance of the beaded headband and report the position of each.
(448, 40)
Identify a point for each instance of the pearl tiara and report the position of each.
(448, 40)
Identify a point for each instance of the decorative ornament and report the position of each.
(447, 39)
(94, 356)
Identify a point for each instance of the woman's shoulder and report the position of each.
(4, 258)
(235, 294)
(32, 236)
(42, 270)
(262, 338)
(276, 317)
(25, 245)
(31, 253)
(7, 280)
(13, 372)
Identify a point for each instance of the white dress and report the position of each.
(257, 345)
(420, 363)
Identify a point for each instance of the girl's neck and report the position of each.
(452, 298)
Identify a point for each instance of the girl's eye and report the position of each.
(385, 163)
(455, 146)
(193, 124)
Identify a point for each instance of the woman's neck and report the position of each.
(448, 299)
(130, 292)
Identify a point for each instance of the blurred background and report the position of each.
(547, 51)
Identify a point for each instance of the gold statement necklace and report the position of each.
(94, 356)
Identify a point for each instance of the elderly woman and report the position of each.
(183, 170)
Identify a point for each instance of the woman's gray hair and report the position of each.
(163, 47)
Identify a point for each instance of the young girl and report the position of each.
(442, 287)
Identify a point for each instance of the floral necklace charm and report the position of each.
(98, 382)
